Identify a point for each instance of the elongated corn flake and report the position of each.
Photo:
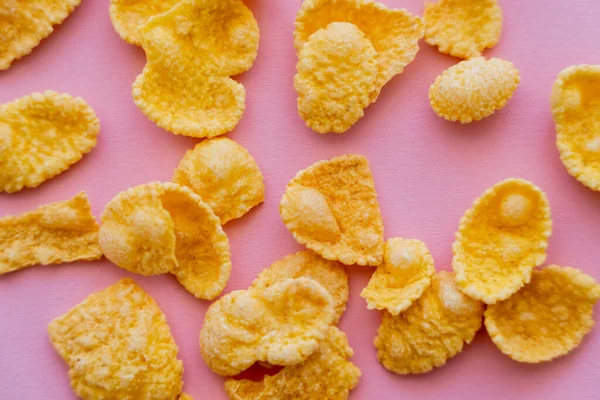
(128, 15)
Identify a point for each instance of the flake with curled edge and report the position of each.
(118, 346)
(282, 325)
(127, 15)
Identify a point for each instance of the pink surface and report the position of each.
(427, 172)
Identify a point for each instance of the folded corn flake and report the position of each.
(331, 207)
(547, 318)
(128, 15)
(118, 346)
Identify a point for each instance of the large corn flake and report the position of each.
(473, 89)
(463, 28)
(576, 108)
(327, 374)
(402, 278)
(547, 318)
(118, 346)
(500, 239)
(164, 227)
(282, 325)
(42, 135)
(431, 331)
(128, 15)
(225, 175)
(332, 208)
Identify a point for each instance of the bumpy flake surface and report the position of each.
(402, 278)
(42, 135)
(473, 89)
(164, 227)
(25, 23)
(128, 15)
(576, 108)
(282, 325)
(332, 208)
(225, 175)
(500, 239)
(118, 346)
(463, 28)
(431, 331)
(327, 374)
(547, 318)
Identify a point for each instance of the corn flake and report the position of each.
(128, 15)
(185, 396)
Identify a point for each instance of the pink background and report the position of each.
(427, 172)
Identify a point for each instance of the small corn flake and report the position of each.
(474, 89)
(118, 346)
(463, 28)
(402, 278)
(575, 104)
(282, 325)
(185, 396)
(225, 175)
(42, 135)
(500, 239)
(327, 374)
(431, 331)
(546, 319)
(128, 15)
(331, 207)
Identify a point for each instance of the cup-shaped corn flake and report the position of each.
(118, 346)
(575, 104)
(431, 331)
(282, 325)
(331, 207)
(42, 135)
(157, 228)
(402, 278)
(128, 15)
(473, 89)
(327, 374)
(225, 175)
(463, 28)
(546, 319)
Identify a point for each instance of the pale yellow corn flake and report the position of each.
(546, 319)
(575, 105)
(128, 15)
(402, 278)
(118, 346)
(473, 89)
(500, 239)
(463, 28)
(42, 135)
(282, 325)
(331, 207)
(225, 175)
(431, 331)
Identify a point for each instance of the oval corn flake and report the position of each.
(127, 16)
(473, 89)
(546, 319)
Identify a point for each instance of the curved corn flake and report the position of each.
(474, 89)
(225, 175)
(118, 346)
(127, 15)
(332, 208)
(431, 331)
(463, 28)
(402, 278)
(185, 396)
(282, 325)
(576, 109)
(546, 319)
(42, 135)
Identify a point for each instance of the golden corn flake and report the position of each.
(463, 28)
(225, 175)
(402, 278)
(42, 135)
(327, 374)
(473, 89)
(128, 15)
(282, 325)
(547, 318)
(431, 331)
(501, 238)
(185, 396)
(164, 227)
(576, 108)
(118, 346)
